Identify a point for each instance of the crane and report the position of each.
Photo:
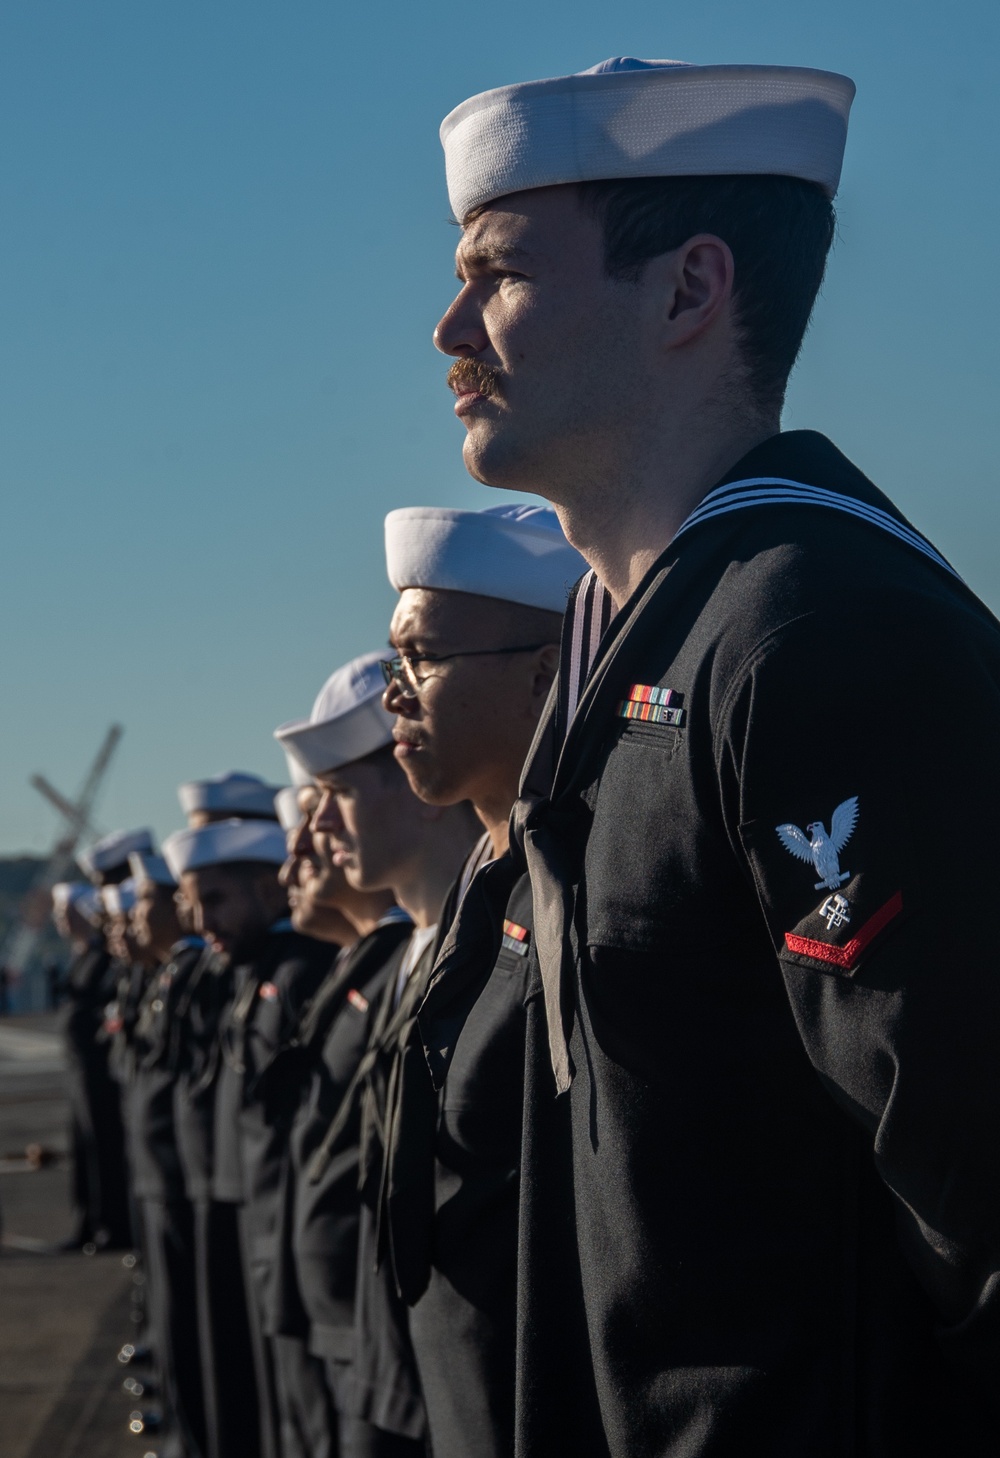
(21, 942)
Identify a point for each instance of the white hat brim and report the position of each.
(671, 121)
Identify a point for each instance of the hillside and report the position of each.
(16, 875)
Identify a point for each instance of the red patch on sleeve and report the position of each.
(847, 955)
(357, 999)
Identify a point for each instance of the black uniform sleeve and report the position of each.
(860, 792)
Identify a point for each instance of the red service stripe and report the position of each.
(511, 929)
(848, 954)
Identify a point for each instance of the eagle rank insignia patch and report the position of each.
(820, 849)
(833, 900)
(856, 906)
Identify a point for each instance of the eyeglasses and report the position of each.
(400, 669)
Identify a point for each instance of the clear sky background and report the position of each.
(223, 248)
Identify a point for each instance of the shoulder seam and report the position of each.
(749, 661)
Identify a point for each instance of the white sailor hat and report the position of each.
(631, 118)
(517, 553)
(286, 804)
(120, 898)
(81, 895)
(347, 720)
(223, 843)
(240, 794)
(112, 851)
(147, 867)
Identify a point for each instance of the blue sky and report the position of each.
(224, 247)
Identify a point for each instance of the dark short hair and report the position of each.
(779, 230)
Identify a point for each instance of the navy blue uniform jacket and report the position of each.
(765, 1216)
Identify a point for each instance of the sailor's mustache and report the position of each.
(471, 374)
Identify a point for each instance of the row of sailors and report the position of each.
(321, 1112)
(751, 1206)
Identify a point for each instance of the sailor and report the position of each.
(394, 853)
(95, 1097)
(78, 914)
(222, 797)
(476, 634)
(231, 1410)
(133, 966)
(131, 970)
(166, 1215)
(228, 871)
(105, 862)
(315, 886)
(118, 900)
(759, 1194)
(284, 1078)
(317, 889)
(234, 794)
(320, 1237)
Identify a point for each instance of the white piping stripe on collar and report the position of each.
(592, 612)
(576, 664)
(776, 491)
(737, 496)
(599, 619)
(592, 598)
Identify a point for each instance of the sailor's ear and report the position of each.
(694, 284)
(544, 670)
